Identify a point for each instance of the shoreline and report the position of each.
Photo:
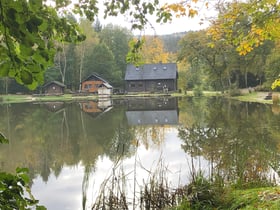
(257, 97)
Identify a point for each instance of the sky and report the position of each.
(177, 25)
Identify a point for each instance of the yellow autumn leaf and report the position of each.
(275, 84)
(192, 12)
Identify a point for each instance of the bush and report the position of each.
(197, 91)
(15, 192)
(200, 193)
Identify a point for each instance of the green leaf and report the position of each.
(41, 208)
(4, 69)
(3, 139)
(26, 77)
(21, 170)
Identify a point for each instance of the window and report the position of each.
(87, 86)
(140, 85)
(132, 85)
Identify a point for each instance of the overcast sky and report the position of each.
(177, 25)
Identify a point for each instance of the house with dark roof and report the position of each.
(54, 88)
(151, 77)
(92, 83)
(152, 111)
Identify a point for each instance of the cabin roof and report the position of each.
(151, 71)
(107, 85)
(54, 82)
(94, 76)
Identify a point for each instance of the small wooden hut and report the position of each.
(105, 90)
(54, 88)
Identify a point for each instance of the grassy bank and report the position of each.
(13, 98)
(249, 199)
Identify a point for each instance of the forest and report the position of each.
(208, 59)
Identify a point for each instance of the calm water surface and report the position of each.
(74, 151)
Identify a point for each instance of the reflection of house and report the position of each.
(151, 77)
(161, 117)
(53, 88)
(95, 108)
(54, 106)
(91, 107)
(159, 103)
(104, 103)
(157, 111)
(92, 83)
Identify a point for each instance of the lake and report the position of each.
(77, 152)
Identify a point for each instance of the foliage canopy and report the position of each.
(29, 30)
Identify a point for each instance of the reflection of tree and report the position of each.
(147, 135)
(237, 137)
(121, 146)
(45, 141)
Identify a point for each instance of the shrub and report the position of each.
(197, 91)
(200, 193)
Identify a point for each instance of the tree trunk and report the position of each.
(81, 66)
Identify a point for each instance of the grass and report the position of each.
(254, 97)
(13, 98)
(29, 98)
(257, 198)
(267, 198)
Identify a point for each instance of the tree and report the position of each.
(153, 50)
(101, 61)
(85, 46)
(196, 50)
(261, 24)
(29, 29)
(116, 38)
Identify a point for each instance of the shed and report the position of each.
(54, 88)
(92, 83)
(105, 90)
(151, 77)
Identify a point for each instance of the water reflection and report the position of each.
(159, 111)
(70, 151)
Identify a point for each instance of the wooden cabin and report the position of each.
(54, 88)
(92, 83)
(160, 77)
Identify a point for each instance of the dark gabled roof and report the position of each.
(151, 71)
(94, 76)
(54, 82)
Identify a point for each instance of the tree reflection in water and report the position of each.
(240, 140)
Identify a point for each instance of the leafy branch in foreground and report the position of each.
(28, 30)
(15, 188)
